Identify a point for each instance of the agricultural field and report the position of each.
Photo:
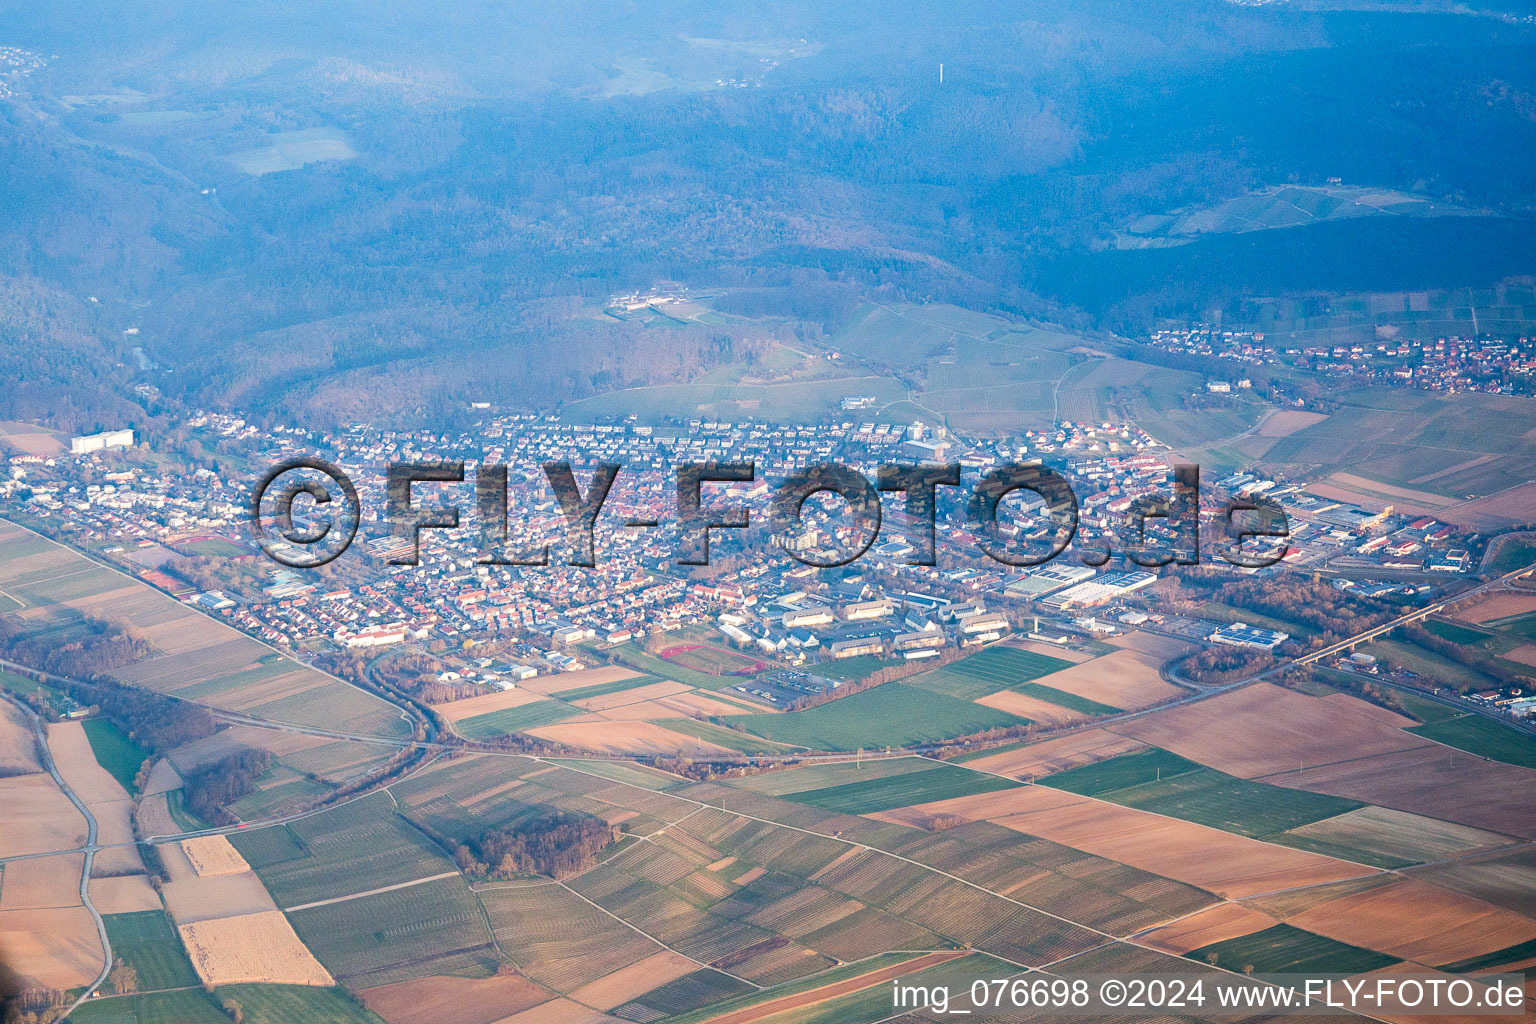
(148, 943)
(892, 715)
(358, 846)
(660, 668)
(1420, 448)
(730, 739)
(1070, 701)
(115, 751)
(1282, 949)
(1390, 839)
(437, 927)
(259, 1004)
(1165, 783)
(1262, 729)
(988, 671)
(192, 655)
(866, 796)
(1483, 737)
(518, 719)
(711, 660)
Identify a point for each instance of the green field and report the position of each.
(988, 671)
(510, 720)
(17, 683)
(259, 1004)
(849, 669)
(940, 782)
(1483, 737)
(1513, 554)
(1286, 950)
(188, 1006)
(114, 751)
(892, 715)
(1523, 626)
(1425, 710)
(348, 849)
(805, 778)
(1429, 666)
(1072, 701)
(432, 928)
(1498, 958)
(634, 657)
(1165, 783)
(147, 942)
(1456, 632)
(603, 689)
(288, 1004)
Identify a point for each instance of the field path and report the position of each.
(90, 849)
(832, 991)
(372, 892)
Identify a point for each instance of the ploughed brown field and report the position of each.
(1057, 755)
(18, 743)
(1032, 708)
(691, 704)
(124, 894)
(650, 691)
(485, 703)
(1262, 728)
(461, 1000)
(41, 882)
(626, 983)
(1498, 606)
(1215, 924)
(1127, 679)
(579, 680)
(1418, 921)
(1501, 510)
(1434, 780)
(52, 948)
(1220, 862)
(36, 817)
(605, 737)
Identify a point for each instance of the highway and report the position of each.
(1413, 616)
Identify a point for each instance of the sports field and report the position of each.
(892, 715)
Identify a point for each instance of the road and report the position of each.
(1414, 616)
(46, 755)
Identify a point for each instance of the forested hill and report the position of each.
(308, 212)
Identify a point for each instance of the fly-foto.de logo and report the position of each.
(304, 512)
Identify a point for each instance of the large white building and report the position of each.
(87, 443)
